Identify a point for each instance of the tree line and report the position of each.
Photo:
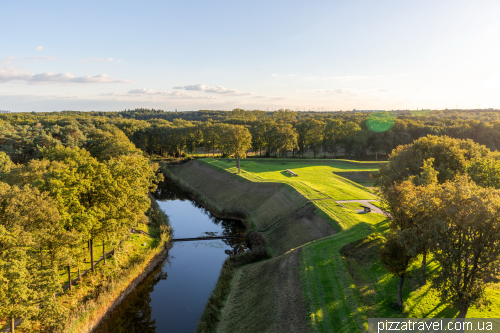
(444, 200)
(66, 186)
(325, 134)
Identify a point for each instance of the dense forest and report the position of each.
(67, 185)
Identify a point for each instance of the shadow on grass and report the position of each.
(447, 312)
(286, 174)
(381, 226)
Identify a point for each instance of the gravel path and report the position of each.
(366, 203)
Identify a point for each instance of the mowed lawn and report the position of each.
(342, 279)
(345, 283)
(316, 180)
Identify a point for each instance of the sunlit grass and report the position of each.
(343, 292)
(316, 179)
(349, 290)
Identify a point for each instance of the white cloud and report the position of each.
(338, 91)
(274, 74)
(40, 58)
(222, 90)
(11, 74)
(39, 48)
(274, 98)
(8, 60)
(338, 78)
(142, 92)
(213, 90)
(291, 74)
(94, 59)
(195, 87)
(12, 59)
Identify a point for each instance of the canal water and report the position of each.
(172, 297)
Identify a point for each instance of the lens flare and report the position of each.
(381, 121)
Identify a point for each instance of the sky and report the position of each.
(220, 55)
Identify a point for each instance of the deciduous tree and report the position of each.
(240, 141)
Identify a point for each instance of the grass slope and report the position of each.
(266, 195)
(345, 284)
(263, 204)
(316, 180)
(342, 279)
(266, 297)
(333, 304)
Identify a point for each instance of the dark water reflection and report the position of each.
(173, 296)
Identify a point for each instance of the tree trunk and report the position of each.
(103, 253)
(69, 278)
(238, 164)
(92, 255)
(463, 312)
(424, 265)
(376, 156)
(400, 290)
(12, 324)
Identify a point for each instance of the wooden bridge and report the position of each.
(205, 238)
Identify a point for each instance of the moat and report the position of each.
(172, 297)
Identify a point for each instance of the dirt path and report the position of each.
(366, 203)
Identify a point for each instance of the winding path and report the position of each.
(366, 203)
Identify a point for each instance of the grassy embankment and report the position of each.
(263, 201)
(368, 290)
(342, 281)
(91, 297)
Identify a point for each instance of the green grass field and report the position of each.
(316, 180)
(342, 280)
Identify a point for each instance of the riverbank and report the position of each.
(112, 286)
(260, 206)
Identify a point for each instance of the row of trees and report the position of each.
(350, 134)
(273, 137)
(58, 204)
(443, 198)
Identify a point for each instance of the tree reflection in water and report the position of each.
(134, 314)
(169, 191)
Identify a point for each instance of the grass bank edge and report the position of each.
(87, 317)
